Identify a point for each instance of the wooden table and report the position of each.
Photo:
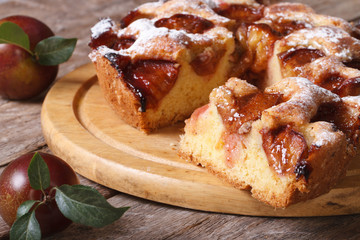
(20, 130)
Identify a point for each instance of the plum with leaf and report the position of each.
(29, 56)
(15, 189)
(40, 195)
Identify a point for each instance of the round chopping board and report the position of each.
(81, 128)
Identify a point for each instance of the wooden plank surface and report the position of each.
(21, 132)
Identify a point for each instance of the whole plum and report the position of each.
(15, 189)
(21, 76)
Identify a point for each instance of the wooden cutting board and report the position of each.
(79, 127)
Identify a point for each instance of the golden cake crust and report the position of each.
(115, 91)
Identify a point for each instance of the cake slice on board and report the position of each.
(283, 144)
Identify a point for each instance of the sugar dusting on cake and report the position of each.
(331, 40)
(148, 36)
(353, 100)
(323, 136)
(104, 25)
(302, 95)
(201, 8)
(303, 14)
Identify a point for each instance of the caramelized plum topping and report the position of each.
(240, 12)
(266, 30)
(132, 16)
(246, 109)
(154, 78)
(119, 62)
(332, 82)
(299, 57)
(341, 86)
(287, 27)
(261, 38)
(303, 168)
(350, 87)
(123, 42)
(337, 114)
(205, 63)
(111, 40)
(237, 117)
(292, 59)
(107, 37)
(186, 22)
(353, 64)
(150, 80)
(264, 2)
(286, 150)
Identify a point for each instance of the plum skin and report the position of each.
(21, 77)
(15, 189)
(35, 29)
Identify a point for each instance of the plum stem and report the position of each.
(44, 195)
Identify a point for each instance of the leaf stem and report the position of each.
(43, 192)
(38, 205)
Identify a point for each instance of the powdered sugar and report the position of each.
(331, 40)
(305, 89)
(211, 3)
(352, 100)
(140, 26)
(148, 36)
(93, 55)
(199, 8)
(102, 26)
(102, 51)
(290, 16)
(344, 54)
(308, 36)
(323, 136)
(303, 99)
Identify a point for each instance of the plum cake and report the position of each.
(285, 143)
(287, 131)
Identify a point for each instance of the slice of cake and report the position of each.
(284, 144)
(156, 71)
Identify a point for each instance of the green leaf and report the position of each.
(38, 172)
(26, 228)
(54, 50)
(13, 34)
(85, 205)
(25, 207)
